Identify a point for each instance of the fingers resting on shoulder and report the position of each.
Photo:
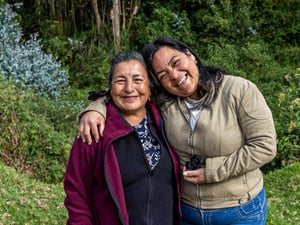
(91, 125)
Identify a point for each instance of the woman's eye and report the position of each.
(176, 62)
(119, 81)
(139, 80)
(162, 76)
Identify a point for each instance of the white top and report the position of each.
(195, 112)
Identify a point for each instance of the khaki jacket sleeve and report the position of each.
(259, 137)
(98, 105)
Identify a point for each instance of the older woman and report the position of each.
(130, 177)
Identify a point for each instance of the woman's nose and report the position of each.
(173, 74)
(128, 87)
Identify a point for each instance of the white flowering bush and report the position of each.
(25, 62)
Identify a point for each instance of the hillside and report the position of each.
(27, 202)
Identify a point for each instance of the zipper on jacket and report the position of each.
(191, 136)
(191, 146)
(191, 142)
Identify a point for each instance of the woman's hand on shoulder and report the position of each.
(91, 123)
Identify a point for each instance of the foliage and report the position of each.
(287, 120)
(253, 61)
(87, 64)
(10, 32)
(26, 63)
(35, 136)
(226, 57)
(161, 21)
(219, 20)
(90, 71)
(198, 23)
(238, 36)
(283, 29)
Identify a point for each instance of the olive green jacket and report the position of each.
(236, 135)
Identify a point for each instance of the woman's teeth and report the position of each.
(181, 81)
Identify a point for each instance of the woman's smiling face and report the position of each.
(130, 88)
(176, 71)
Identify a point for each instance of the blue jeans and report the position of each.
(253, 212)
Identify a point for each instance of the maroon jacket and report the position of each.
(93, 182)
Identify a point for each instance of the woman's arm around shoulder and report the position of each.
(92, 121)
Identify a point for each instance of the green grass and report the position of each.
(28, 202)
(25, 201)
(283, 193)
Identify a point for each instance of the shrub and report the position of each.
(36, 133)
(84, 60)
(25, 62)
(162, 21)
(287, 120)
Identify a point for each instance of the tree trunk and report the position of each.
(59, 6)
(134, 7)
(98, 18)
(115, 17)
(52, 8)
